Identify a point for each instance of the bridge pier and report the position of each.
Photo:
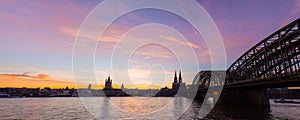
(244, 97)
(257, 97)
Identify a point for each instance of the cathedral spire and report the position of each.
(175, 77)
(180, 78)
(108, 78)
(122, 87)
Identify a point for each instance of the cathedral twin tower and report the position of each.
(175, 77)
(177, 82)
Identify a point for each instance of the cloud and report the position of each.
(40, 26)
(41, 81)
(148, 57)
(32, 81)
(155, 54)
(185, 43)
(26, 76)
(42, 76)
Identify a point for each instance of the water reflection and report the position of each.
(137, 107)
(145, 108)
(105, 104)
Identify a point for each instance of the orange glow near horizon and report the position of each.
(38, 81)
(43, 80)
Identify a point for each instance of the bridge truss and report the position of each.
(276, 55)
(275, 58)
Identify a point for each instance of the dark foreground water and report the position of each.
(155, 108)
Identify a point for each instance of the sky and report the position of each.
(37, 40)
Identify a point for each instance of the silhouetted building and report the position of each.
(180, 78)
(177, 85)
(108, 84)
(109, 91)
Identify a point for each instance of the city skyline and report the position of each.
(42, 55)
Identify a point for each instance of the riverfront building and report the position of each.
(109, 91)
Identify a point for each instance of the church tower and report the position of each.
(180, 78)
(108, 83)
(122, 87)
(176, 84)
(175, 77)
(90, 87)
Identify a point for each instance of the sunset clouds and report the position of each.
(33, 81)
(37, 38)
(25, 76)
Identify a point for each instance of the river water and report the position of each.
(134, 108)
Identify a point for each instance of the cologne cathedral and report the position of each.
(177, 86)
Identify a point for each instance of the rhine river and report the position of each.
(153, 108)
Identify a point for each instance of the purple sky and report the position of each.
(37, 37)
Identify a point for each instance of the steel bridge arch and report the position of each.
(275, 55)
(205, 79)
